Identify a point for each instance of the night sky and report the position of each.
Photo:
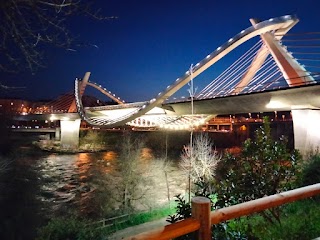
(151, 43)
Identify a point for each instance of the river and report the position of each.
(41, 186)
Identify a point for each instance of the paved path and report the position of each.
(130, 231)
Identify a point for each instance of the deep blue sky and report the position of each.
(152, 43)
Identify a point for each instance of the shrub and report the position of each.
(311, 171)
(264, 167)
(68, 228)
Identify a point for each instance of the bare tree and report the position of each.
(28, 26)
(199, 160)
(130, 184)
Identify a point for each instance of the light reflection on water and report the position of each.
(110, 156)
(67, 182)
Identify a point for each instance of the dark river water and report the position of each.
(37, 188)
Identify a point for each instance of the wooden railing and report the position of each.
(108, 222)
(202, 218)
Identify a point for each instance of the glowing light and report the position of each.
(218, 48)
(230, 40)
(242, 31)
(52, 118)
(197, 64)
(177, 79)
(208, 56)
(271, 19)
(275, 104)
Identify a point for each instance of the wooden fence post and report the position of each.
(201, 211)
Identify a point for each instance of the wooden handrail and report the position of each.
(264, 203)
(190, 225)
(170, 231)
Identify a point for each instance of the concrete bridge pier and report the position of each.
(306, 128)
(57, 134)
(70, 134)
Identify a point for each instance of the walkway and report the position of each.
(130, 231)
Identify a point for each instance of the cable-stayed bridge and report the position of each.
(269, 76)
(266, 66)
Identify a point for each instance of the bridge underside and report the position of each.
(306, 97)
(304, 102)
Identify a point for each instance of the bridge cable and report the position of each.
(240, 73)
(252, 49)
(227, 89)
(239, 69)
(209, 86)
(312, 49)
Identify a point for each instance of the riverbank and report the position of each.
(55, 147)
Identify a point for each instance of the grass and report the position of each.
(300, 220)
(143, 217)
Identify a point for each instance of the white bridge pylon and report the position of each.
(151, 114)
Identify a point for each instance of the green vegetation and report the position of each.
(264, 167)
(69, 228)
(80, 229)
(300, 220)
(92, 140)
(143, 217)
(310, 173)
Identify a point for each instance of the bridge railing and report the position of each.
(202, 218)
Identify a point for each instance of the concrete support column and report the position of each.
(70, 133)
(57, 134)
(306, 130)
